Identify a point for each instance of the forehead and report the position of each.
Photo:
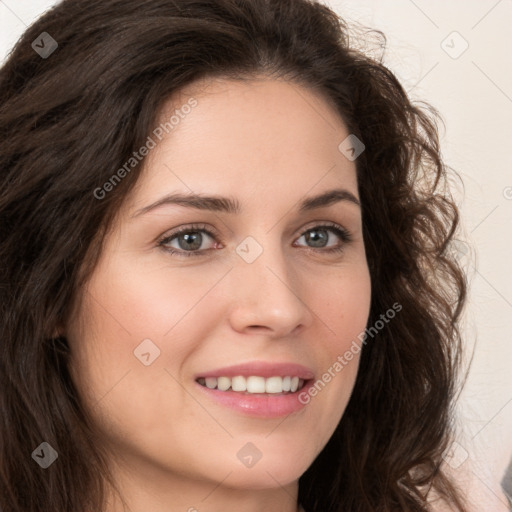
(262, 138)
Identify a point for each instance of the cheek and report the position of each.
(131, 310)
(342, 310)
(345, 305)
(151, 300)
(122, 312)
(131, 304)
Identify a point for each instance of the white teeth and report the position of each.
(254, 384)
(223, 383)
(238, 383)
(211, 382)
(274, 385)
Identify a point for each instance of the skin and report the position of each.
(269, 144)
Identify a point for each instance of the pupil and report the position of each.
(190, 240)
(312, 236)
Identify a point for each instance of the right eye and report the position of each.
(189, 239)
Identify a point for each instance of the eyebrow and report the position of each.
(232, 205)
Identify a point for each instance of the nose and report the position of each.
(269, 296)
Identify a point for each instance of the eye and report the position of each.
(319, 236)
(189, 239)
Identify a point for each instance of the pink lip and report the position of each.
(262, 370)
(259, 405)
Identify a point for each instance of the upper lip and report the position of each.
(261, 369)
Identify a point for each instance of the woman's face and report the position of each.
(264, 286)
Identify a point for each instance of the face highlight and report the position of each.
(241, 244)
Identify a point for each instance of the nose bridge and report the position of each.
(266, 291)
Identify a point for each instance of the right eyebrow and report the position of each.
(200, 202)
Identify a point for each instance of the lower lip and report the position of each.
(259, 405)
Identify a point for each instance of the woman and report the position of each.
(226, 277)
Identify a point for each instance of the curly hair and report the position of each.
(69, 120)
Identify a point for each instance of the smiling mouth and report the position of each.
(254, 384)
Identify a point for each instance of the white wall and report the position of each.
(473, 92)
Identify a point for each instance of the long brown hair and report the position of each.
(70, 120)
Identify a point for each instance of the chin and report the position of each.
(277, 469)
(265, 477)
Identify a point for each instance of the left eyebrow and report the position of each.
(328, 198)
(232, 206)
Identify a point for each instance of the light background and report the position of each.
(473, 92)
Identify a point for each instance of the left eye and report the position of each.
(190, 239)
(320, 234)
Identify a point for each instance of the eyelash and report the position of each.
(342, 233)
